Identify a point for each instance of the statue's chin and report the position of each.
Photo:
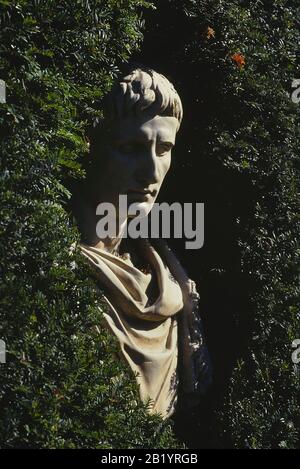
(139, 209)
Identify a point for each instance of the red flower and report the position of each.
(239, 60)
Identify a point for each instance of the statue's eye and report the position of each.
(163, 148)
(132, 148)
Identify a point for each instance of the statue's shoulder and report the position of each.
(176, 268)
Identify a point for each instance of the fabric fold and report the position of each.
(156, 336)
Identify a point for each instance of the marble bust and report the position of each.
(152, 303)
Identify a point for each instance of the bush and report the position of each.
(63, 385)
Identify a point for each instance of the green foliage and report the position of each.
(64, 385)
(260, 141)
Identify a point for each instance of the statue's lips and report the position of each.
(141, 193)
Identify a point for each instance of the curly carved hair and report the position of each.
(143, 90)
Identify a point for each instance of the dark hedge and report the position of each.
(63, 385)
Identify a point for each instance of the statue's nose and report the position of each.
(147, 167)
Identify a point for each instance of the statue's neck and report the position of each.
(86, 219)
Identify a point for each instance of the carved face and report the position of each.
(134, 160)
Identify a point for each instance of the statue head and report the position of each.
(131, 150)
